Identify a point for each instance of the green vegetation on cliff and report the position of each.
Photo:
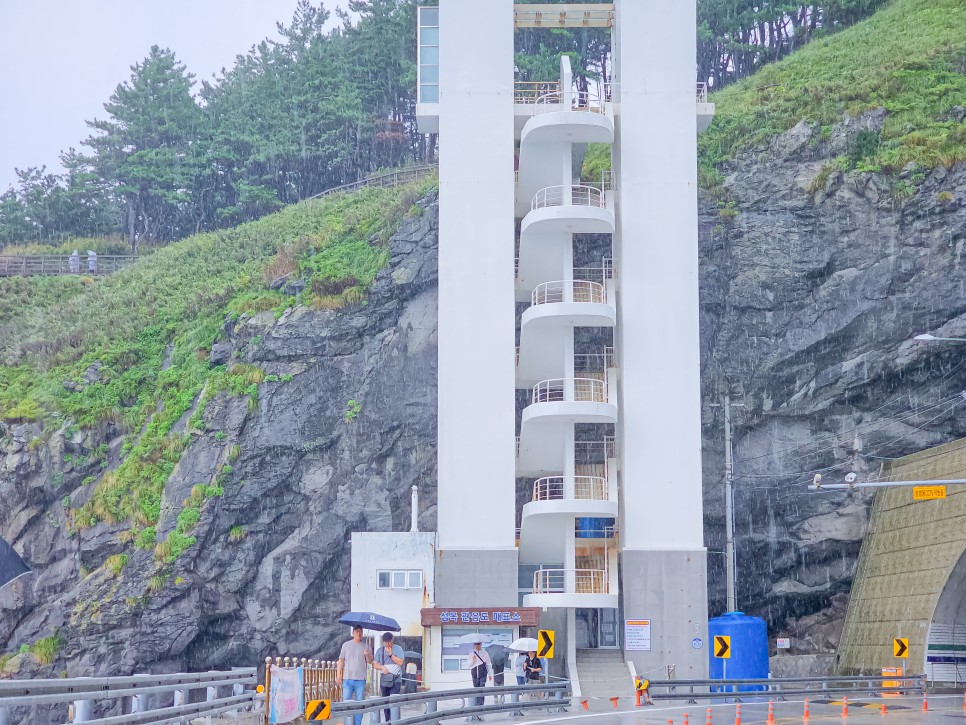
(132, 349)
(909, 58)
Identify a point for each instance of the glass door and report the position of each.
(608, 633)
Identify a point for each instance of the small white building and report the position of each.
(392, 574)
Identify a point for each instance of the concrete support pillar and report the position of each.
(570, 457)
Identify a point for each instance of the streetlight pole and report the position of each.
(730, 557)
(729, 510)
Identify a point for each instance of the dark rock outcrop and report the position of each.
(269, 572)
(811, 296)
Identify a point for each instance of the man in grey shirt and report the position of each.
(354, 661)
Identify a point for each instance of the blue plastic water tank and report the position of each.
(749, 650)
(590, 528)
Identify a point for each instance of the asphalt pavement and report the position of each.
(942, 710)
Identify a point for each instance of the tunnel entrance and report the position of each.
(946, 645)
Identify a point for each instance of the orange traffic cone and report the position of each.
(685, 719)
(737, 713)
(613, 701)
(771, 713)
(805, 714)
(845, 707)
(707, 716)
(584, 703)
(884, 710)
(925, 703)
(964, 702)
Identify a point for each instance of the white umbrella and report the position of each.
(475, 638)
(524, 644)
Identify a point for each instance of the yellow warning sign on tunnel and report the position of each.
(722, 646)
(928, 493)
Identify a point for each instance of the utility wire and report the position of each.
(820, 451)
(862, 426)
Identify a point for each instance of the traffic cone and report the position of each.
(964, 702)
(585, 705)
(771, 713)
(884, 709)
(685, 719)
(737, 713)
(613, 701)
(707, 716)
(805, 714)
(925, 702)
(845, 707)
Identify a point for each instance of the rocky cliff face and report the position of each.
(812, 288)
(811, 295)
(332, 446)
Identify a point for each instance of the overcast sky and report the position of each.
(60, 60)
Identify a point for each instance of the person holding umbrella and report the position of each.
(354, 660)
(479, 664)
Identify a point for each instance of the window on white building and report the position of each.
(399, 579)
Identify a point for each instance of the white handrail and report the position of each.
(585, 581)
(586, 488)
(581, 390)
(702, 92)
(567, 195)
(570, 290)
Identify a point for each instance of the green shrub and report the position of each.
(115, 564)
(47, 649)
(236, 534)
(352, 410)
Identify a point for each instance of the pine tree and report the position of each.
(147, 147)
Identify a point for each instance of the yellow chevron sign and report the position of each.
(318, 710)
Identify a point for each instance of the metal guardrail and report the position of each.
(780, 688)
(508, 699)
(389, 179)
(138, 692)
(12, 265)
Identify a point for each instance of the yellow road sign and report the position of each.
(545, 639)
(900, 647)
(928, 493)
(318, 710)
(642, 684)
(722, 646)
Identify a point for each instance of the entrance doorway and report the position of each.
(596, 629)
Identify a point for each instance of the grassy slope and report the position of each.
(175, 300)
(910, 58)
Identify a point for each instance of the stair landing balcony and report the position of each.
(578, 588)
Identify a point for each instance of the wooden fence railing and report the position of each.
(50, 264)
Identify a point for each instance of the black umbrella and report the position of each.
(370, 620)
(497, 654)
(11, 565)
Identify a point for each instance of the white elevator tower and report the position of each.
(575, 382)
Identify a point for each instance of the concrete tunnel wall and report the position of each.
(911, 568)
